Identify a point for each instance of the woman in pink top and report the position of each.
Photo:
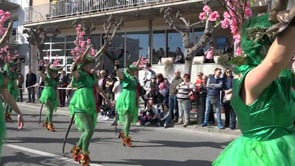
(209, 54)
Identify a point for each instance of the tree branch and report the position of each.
(6, 34)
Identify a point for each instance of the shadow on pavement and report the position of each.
(158, 163)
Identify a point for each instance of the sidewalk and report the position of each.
(190, 128)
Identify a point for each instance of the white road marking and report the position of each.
(41, 153)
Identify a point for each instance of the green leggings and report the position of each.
(127, 124)
(88, 130)
(49, 112)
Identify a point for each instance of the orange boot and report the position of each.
(75, 153)
(84, 159)
(50, 127)
(7, 117)
(127, 141)
(121, 135)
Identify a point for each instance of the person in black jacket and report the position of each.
(31, 80)
(63, 83)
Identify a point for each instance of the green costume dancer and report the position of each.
(264, 105)
(49, 96)
(9, 69)
(126, 104)
(84, 105)
(2, 120)
(9, 100)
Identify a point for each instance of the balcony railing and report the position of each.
(64, 8)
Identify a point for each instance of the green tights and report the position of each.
(127, 124)
(88, 130)
(49, 112)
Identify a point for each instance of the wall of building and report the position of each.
(40, 2)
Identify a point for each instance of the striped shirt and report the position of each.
(183, 90)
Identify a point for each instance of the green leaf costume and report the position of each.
(268, 135)
(127, 100)
(83, 99)
(12, 85)
(2, 120)
(49, 92)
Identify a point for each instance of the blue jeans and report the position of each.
(173, 105)
(230, 116)
(215, 102)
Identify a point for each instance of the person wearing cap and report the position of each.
(10, 72)
(127, 102)
(84, 105)
(49, 95)
(4, 81)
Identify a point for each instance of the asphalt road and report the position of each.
(153, 146)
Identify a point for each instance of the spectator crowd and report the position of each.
(164, 103)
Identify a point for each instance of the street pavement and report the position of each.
(177, 146)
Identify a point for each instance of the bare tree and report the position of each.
(37, 36)
(110, 26)
(184, 29)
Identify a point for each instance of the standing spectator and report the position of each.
(31, 80)
(117, 88)
(20, 82)
(63, 83)
(214, 86)
(102, 76)
(173, 104)
(163, 85)
(228, 49)
(210, 53)
(149, 73)
(179, 57)
(230, 116)
(110, 81)
(158, 55)
(199, 86)
(184, 90)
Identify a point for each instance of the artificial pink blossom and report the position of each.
(224, 24)
(207, 9)
(202, 16)
(214, 16)
(248, 12)
(239, 51)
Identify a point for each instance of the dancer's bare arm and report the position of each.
(277, 58)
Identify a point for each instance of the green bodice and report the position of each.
(272, 114)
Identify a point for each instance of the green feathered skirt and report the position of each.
(127, 104)
(246, 151)
(49, 94)
(83, 101)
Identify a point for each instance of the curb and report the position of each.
(189, 128)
